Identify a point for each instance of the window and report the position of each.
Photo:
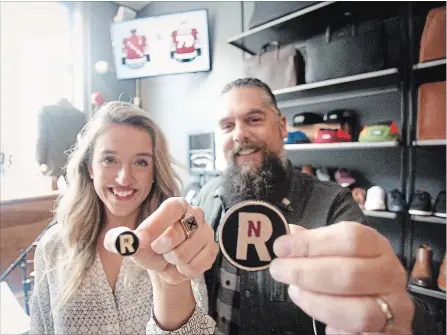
(36, 69)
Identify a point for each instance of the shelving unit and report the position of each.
(300, 25)
(402, 79)
(420, 227)
(427, 292)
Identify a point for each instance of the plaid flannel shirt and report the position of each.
(228, 299)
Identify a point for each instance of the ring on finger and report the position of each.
(388, 313)
(189, 224)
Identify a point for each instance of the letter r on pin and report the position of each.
(255, 229)
(127, 243)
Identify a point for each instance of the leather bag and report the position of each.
(352, 49)
(279, 68)
(431, 118)
(433, 37)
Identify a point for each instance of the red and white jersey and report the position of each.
(184, 40)
(134, 46)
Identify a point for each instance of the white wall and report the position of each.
(186, 103)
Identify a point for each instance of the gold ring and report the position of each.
(189, 224)
(387, 311)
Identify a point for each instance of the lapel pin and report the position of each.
(247, 233)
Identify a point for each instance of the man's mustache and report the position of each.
(238, 147)
(267, 182)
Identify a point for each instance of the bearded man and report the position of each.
(332, 267)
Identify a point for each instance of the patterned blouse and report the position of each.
(95, 308)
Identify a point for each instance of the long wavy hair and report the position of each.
(80, 210)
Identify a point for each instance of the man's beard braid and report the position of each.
(267, 183)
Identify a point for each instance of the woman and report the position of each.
(120, 175)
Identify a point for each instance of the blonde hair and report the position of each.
(81, 212)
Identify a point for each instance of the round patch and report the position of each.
(127, 243)
(247, 233)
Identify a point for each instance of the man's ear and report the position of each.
(283, 126)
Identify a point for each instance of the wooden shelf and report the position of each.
(429, 143)
(427, 292)
(341, 146)
(380, 214)
(430, 71)
(429, 219)
(310, 21)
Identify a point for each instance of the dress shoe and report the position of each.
(422, 273)
(442, 275)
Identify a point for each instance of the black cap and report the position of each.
(307, 118)
(339, 115)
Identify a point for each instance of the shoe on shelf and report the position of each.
(421, 204)
(323, 174)
(396, 201)
(344, 178)
(359, 195)
(308, 169)
(421, 275)
(375, 199)
(439, 207)
(442, 276)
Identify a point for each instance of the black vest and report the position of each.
(265, 307)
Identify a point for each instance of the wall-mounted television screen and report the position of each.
(158, 45)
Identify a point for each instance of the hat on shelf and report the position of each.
(379, 132)
(306, 118)
(339, 115)
(296, 137)
(332, 136)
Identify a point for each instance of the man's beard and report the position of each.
(267, 182)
